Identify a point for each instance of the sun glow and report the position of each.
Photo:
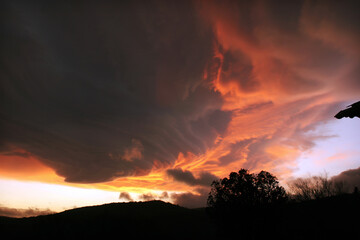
(51, 196)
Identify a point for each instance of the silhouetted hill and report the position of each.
(325, 218)
(154, 219)
(335, 217)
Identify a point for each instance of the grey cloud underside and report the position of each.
(191, 200)
(350, 179)
(81, 82)
(185, 176)
(20, 213)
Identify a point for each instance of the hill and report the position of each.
(334, 217)
(314, 219)
(153, 219)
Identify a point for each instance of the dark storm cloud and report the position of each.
(204, 179)
(102, 90)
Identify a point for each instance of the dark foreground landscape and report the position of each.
(329, 218)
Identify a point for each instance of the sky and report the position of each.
(106, 101)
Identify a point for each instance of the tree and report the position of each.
(316, 187)
(243, 189)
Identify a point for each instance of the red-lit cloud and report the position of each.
(281, 75)
(20, 164)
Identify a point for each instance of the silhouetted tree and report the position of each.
(316, 187)
(243, 189)
(247, 201)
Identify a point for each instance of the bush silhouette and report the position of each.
(248, 201)
(316, 187)
(244, 189)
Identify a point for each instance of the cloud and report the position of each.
(264, 48)
(153, 196)
(350, 178)
(134, 152)
(101, 91)
(104, 91)
(191, 200)
(281, 77)
(204, 179)
(237, 151)
(125, 196)
(19, 213)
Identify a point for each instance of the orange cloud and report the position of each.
(25, 166)
(277, 79)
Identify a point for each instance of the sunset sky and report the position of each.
(106, 101)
